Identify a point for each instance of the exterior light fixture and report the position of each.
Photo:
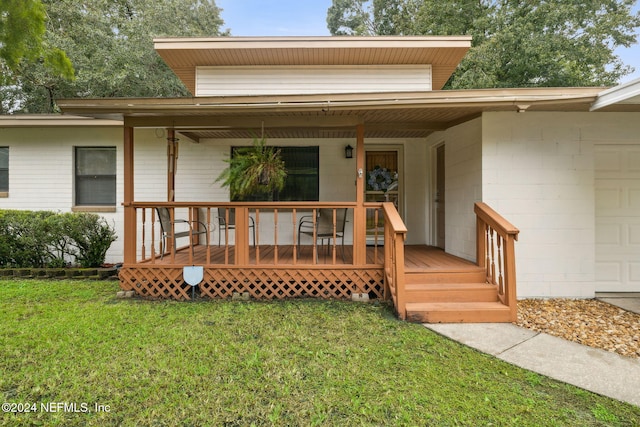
(348, 152)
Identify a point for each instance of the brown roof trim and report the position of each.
(451, 99)
(312, 42)
(55, 120)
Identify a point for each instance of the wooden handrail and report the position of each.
(495, 220)
(395, 232)
(495, 239)
(245, 249)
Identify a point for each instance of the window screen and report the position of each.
(4, 169)
(95, 176)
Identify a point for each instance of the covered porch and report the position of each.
(425, 283)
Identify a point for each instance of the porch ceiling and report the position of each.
(184, 55)
(328, 116)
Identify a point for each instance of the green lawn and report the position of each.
(296, 362)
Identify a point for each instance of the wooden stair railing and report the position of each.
(495, 240)
(395, 232)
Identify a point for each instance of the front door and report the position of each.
(383, 182)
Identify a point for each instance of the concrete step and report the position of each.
(451, 292)
(458, 312)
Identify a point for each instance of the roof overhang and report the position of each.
(624, 95)
(56, 120)
(183, 55)
(305, 116)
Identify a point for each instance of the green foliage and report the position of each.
(90, 235)
(23, 42)
(110, 43)
(255, 169)
(48, 239)
(287, 362)
(551, 43)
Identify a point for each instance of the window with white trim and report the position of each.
(95, 176)
(4, 169)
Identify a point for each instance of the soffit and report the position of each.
(184, 55)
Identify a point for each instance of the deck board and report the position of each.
(417, 257)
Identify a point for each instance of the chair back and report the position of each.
(222, 219)
(325, 220)
(165, 219)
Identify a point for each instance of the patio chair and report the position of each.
(324, 228)
(230, 223)
(167, 228)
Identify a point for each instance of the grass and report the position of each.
(295, 362)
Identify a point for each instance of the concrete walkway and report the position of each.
(629, 301)
(596, 370)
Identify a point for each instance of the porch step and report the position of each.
(457, 312)
(451, 292)
(456, 275)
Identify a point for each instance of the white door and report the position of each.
(617, 170)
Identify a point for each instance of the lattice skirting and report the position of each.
(260, 283)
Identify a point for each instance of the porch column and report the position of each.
(359, 213)
(172, 157)
(130, 229)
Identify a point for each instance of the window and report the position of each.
(4, 169)
(303, 177)
(95, 176)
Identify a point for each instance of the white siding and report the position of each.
(231, 81)
(41, 170)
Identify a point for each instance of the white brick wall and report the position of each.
(463, 185)
(538, 172)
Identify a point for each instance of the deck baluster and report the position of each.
(144, 220)
(500, 281)
(209, 224)
(294, 223)
(275, 236)
(153, 235)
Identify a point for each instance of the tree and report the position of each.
(515, 43)
(110, 43)
(22, 42)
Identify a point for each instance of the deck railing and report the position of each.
(395, 233)
(257, 233)
(496, 253)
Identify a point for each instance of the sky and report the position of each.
(308, 18)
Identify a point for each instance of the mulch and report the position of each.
(588, 322)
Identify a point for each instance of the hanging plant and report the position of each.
(255, 169)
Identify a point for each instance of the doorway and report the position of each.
(383, 181)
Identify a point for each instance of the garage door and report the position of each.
(617, 218)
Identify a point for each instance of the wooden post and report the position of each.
(510, 276)
(130, 232)
(171, 164)
(481, 245)
(242, 235)
(359, 212)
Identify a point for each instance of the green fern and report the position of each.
(255, 169)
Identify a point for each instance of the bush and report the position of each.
(91, 237)
(47, 239)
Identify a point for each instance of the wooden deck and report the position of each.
(417, 257)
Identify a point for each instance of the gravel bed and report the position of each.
(589, 322)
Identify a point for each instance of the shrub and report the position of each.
(24, 238)
(91, 236)
(48, 239)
